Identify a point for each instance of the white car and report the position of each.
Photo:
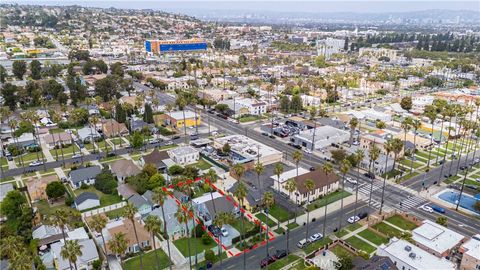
(356, 143)
(308, 151)
(224, 232)
(315, 237)
(168, 143)
(353, 219)
(35, 163)
(351, 181)
(76, 156)
(426, 208)
(303, 243)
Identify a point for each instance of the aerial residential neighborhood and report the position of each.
(240, 135)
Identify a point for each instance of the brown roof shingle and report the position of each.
(320, 179)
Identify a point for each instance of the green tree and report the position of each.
(406, 103)
(442, 221)
(120, 114)
(148, 114)
(153, 225)
(226, 148)
(284, 104)
(129, 212)
(117, 69)
(118, 245)
(36, 69)
(11, 204)
(71, 251)
(98, 223)
(210, 255)
(19, 68)
(136, 140)
(55, 190)
(9, 92)
(296, 104)
(158, 197)
(3, 74)
(107, 87)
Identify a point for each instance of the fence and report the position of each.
(221, 165)
(103, 209)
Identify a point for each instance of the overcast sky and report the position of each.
(375, 6)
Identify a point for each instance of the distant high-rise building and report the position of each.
(327, 47)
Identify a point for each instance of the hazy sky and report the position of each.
(295, 6)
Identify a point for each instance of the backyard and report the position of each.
(401, 222)
(360, 244)
(182, 245)
(373, 237)
(105, 199)
(149, 261)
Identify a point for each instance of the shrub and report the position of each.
(206, 239)
(55, 190)
(69, 200)
(97, 265)
(209, 255)
(84, 186)
(106, 183)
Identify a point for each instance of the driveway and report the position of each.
(232, 233)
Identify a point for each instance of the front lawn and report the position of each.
(360, 244)
(373, 237)
(115, 213)
(292, 225)
(401, 222)
(262, 217)
(149, 261)
(280, 213)
(332, 197)
(317, 245)
(283, 262)
(340, 251)
(182, 245)
(387, 229)
(238, 225)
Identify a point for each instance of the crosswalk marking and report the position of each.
(412, 202)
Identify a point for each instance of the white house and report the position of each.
(86, 200)
(84, 261)
(184, 155)
(408, 256)
(84, 176)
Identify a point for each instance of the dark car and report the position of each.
(280, 253)
(369, 175)
(463, 168)
(471, 187)
(176, 137)
(111, 154)
(268, 260)
(363, 215)
(214, 230)
(312, 168)
(211, 111)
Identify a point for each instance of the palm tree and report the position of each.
(441, 106)
(416, 124)
(153, 225)
(278, 170)
(268, 201)
(353, 125)
(36, 120)
(98, 223)
(241, 193)
(344, 168)
(406, 125)
(71, 251)
(380, 124)
(327, 169)
(118, 245)
(309, 186)
(388, 147)
(21, 260)
(182, 103)
(93, 123)
(129, 212)
(56, 118)
(313, 113)
(60, 218)
(359, 156)
(259, 169)
(397, 145)
(431, 114)
(220, 220)
(297, 157)
(374, 154)
(159, 198)
(289, 186)
(182, 217)
(13, 125)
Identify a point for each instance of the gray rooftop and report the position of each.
(85, 196)
(82, 174)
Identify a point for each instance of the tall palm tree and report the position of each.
(406, 126)
(374, 154)
(388, 148)
(241, 193)
(13, 125)
(56, 118)
(431, 114)
(238, 170)
(153, 225)
(71, 251)
(129, 212)
(309, 187)
(182, 217)
(313, 113)
(21, 260)
(416, 124)
(278, 170)
(289, 186)
(359, 156)
(93, 123)
(118, 245)
(181, 102)
(268, 201)
(344, 168)
(441, 106)
(60, 218)
(397, 145)
(459, 113)
(448, 113)
(220, 220)
(98, 223)
(297, 156)
(353, 125)
(327, 169)
(159, 198)
(35, 118)
(259, 169)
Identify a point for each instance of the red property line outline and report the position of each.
(197, 221)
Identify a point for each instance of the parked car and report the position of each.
(311, 168)
(35, 163)
(266, 261)
(280, 253)
(303, 243)
(356, 143)
(351, 180)
(438, 209)
(353, 219)
(308, 151)
(426, 208)
(214, 230)
(224, 232)
(315, 237)
(363, 215)
(76, 155)
(369, 175)
(168, 143)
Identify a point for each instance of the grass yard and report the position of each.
(182, 245)
(27, 158)
(472, 182)
(401, 222)
(292, 225)
(56, 130)
(105, 199)
(406, 177)
(283, 262)
(118, 141)
(249, 118)
(452, 179)
(217, 259)
(340, 251)
(407, 163)
(115, 213)
(317, 245)
(341, 233)
(238, 225)
(262, 217)
(6, 179)
(373, 237)
(387, 229)
(46, 210)
(149, 261)
(202, 164)
(332, 197)
(360, 244)
(67, 151)
(102, 144)
(280, 213)
(3, 161)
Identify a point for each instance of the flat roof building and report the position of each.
(246, 149)
(324, 136)
(471, 254)
(436, 239)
